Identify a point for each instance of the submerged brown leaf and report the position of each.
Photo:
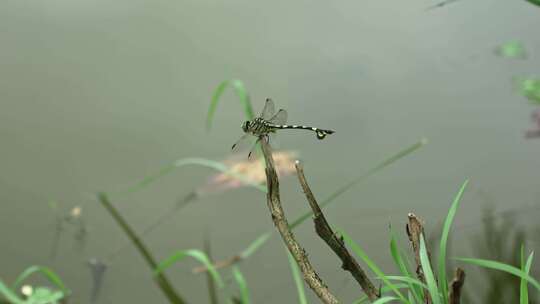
(252, 169)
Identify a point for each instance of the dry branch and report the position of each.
(280, 221)
(456, 285)
(415, 229)
(337, 245)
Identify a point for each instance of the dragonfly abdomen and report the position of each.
(321, 133)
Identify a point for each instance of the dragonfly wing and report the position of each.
(253, 149)
(268, 110)
(273, 139)
(280, 118)
(245, 142)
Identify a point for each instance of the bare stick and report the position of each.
(337, 245)
(280, 221)
(415, 229)
(456, 285)
(161, 280)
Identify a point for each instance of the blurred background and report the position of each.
(96, 95)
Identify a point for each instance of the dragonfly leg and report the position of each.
(240, 142)
(254, 147)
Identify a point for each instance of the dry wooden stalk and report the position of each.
(415, 229)
(280, 221)
(456, 285)
(326, 233)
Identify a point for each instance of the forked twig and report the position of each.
(388, 161)
(454, 295)
(280, 221)
(415, 229)
(337, 245)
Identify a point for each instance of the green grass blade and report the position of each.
(255, 245)
(527, 269)
(408, 280)
(402, 266)
(241, 281)
(443, 283)
(150, 179)
(194, 253)
(362, 255)
(49, 274)
(214, 102)
(502, 267)
(523, 291)
(42, 295)
(392, 159)
(162, 281)
(242, 94)
(385, 300)
(428, 273)
(298, 281)
(384, 289)
(411, 297)
(215, 165)
(9, 294)
(210, 283)
(396, 256)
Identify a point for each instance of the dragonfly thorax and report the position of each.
(257, 127)
(245, 126)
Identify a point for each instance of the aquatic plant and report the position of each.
(512, 49)
(21, 293)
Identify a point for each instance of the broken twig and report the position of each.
(337, 245)
(415, 229)
(454, 295)
(280, 221)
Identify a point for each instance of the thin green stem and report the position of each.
(160, 278)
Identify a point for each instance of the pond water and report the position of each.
(96, 95)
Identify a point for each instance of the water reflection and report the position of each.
(535, 130)
(501, 240)
(97, 270)
(74, 221)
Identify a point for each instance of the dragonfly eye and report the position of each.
(245, 126)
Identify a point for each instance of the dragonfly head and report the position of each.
(245, 126)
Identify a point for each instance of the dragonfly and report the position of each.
(268, 122)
